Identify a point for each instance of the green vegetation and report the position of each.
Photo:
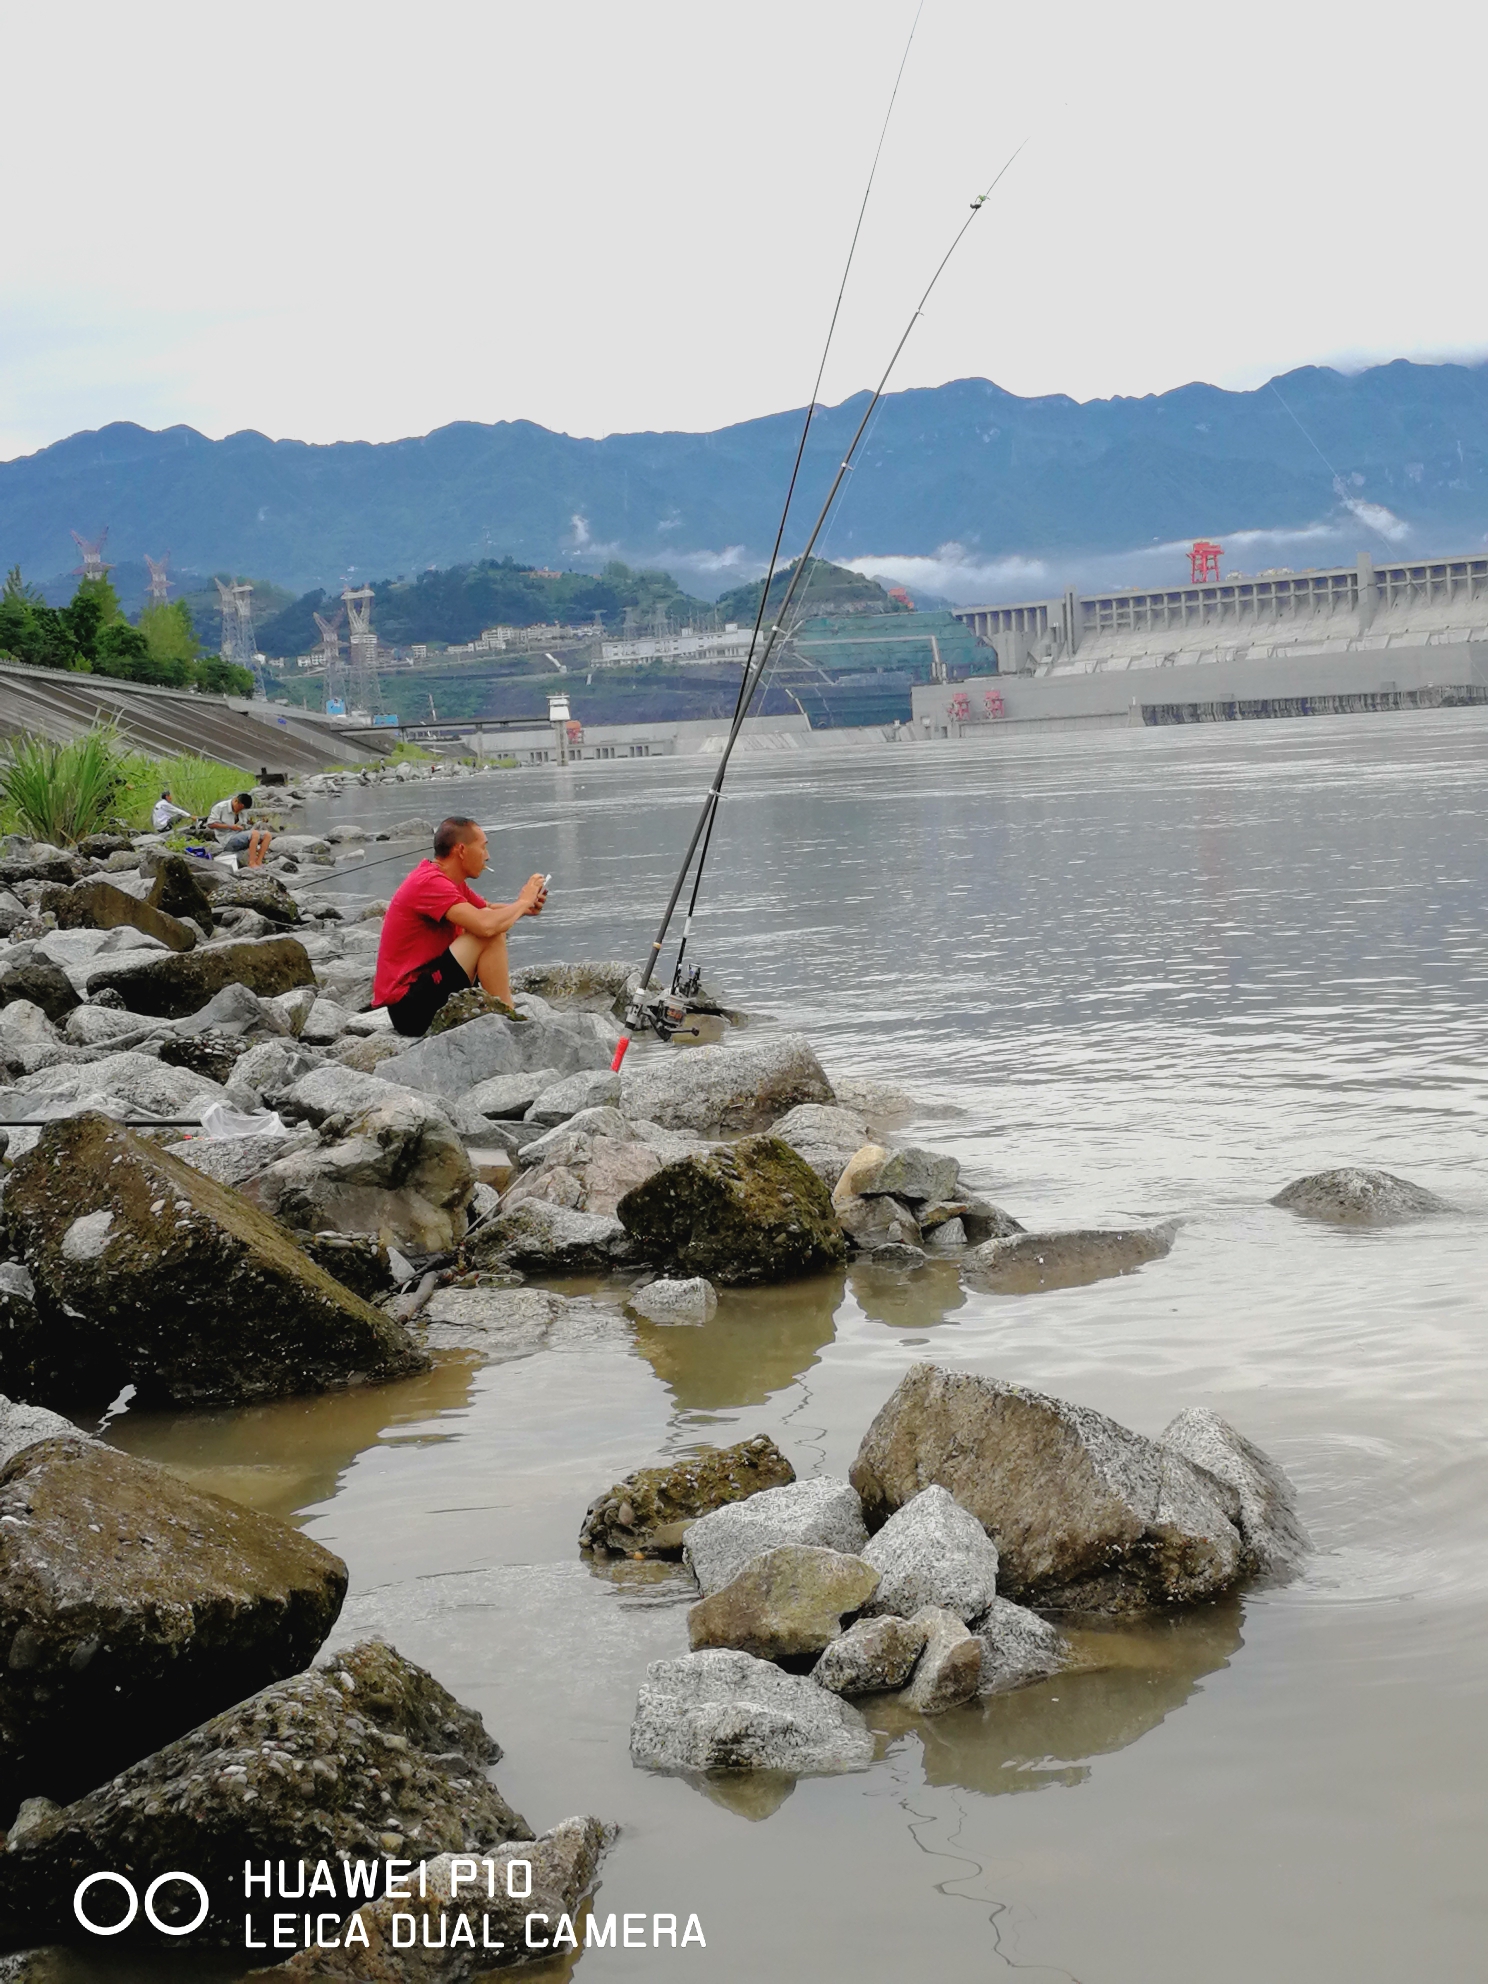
(205, 608)
(90, 636)
(61, 792)
(827, 588)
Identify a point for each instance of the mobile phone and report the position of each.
(546, 880)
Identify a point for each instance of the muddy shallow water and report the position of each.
(1138, 974)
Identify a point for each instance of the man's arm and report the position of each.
(498, 917)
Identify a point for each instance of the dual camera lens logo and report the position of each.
(132, 1899)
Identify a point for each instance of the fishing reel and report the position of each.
(669, 1014)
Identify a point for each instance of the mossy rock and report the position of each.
(752, 1211)
(473, 1004)
(647, 1513)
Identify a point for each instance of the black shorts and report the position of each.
(430, 987)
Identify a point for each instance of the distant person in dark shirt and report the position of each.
(440, 938)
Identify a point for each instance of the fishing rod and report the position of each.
(665, 1016)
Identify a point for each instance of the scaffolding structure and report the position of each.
(159, 582)
(238, 646)
(366, 690)
(92, 566)
(330, 654)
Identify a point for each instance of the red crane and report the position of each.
(1203, 561)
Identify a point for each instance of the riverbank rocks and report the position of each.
(783, 1604)
(949, 1670)
(591, 1088)
(738, 1087)
(195, 1294)
(451, 1064)
(748, 1212)
(538, 1237)
(691, 1301)
(647, 1513)
(1025, 1263)
(872, 1657)
(586, 986)
(265, 895)
(176, 893)
(825, 1134)
(824, 1513)
(1358, 1198)
(721, 1710)
(1086, 1515)
(170, 985)
(1273, 1532)
(932, 1552)
(456, 1923)
(1017, 1647)
(134, 1607)
(95, 904)
(40, 982)
(364, 1758)
(922, 1176)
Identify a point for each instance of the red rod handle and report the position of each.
(619, 1054)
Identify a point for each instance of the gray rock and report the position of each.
(820, 1512)
(171, 985)
(233, 1010)
(1269, 1522)
(912, 1173)
(99, 1026)
(511, 1095)
(42, 983)
(234, 1160)
(726, 1088)
(649, 1512)
(949, 1671)
(1017, 1647)
(881, 1102)
(267, 1073)
(541, 1238)
(133, 1082)
(949, 1237)
(876, 1222)
(22, 1426)
(872, 1656)
(978, 1218)
(894, 1254)
(1027, 1262)
(592, 1088)
(454, 1063)
(932, 1552)
(825, 1135)
(784, 1603)
(721, 1710)
(325, 1022)
(1358, 1198)
(590, 987)
(494, 1321)
(292, 1009)
(692, 1301)
(747, 1212)
(560, 1143)
(1086, 1514)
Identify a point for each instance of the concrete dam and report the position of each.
(1372, 635)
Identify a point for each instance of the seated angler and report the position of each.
(226, 818)
(440, 938)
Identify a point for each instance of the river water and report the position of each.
(1131, 975)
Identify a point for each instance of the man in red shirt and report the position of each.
(440, 938)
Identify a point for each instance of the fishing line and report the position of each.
(1340, 487)
(635, 1016)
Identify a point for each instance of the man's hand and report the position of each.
(532, 897)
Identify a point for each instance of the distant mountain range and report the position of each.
(965, 489)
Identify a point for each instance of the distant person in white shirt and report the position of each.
(223, 819)
(164, 811)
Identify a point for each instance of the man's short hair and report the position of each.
(166, 793)
(245, 798)
(450, 833)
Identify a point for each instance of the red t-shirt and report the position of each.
(414, 931)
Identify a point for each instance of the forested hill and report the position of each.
(965, 462)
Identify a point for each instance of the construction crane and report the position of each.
(1203, 561)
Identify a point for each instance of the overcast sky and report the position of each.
(336, 221)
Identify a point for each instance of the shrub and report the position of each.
(59, 792)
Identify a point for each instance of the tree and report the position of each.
(223, 678)
(33, 632)
(171, 639)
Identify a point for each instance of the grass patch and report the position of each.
(62, 792)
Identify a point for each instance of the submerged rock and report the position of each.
(458, 1927)
(648, 1511)
(872, 1656)
(170, 985)
(721, 1710)
(1358, 1198)
(1017, 1647)
(692, 1301)
(1269, 1522)
(932, 1552)
(820, 1512)
(787, 1602)
(748, 1212)
(134, 1607)
(364, 1758)
(177, 1281)
(1086, 1515)
(1027, 1262)
(723, 1088)
(949, 1671)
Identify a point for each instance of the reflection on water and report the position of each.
(1125, 1681)
(909, 1298)
(748, 1794)
(760, 1341)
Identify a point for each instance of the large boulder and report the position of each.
(1086, 1515)
(176, 893)
(823, 1513)
(723, 1088)
(539, 1237)
(921, 1176)
(1024, 1263)
(588, 986)
(1349, 1197)
(932, 1552)
(784, 1604)
(162, 1272)
(399, 1173)
(1273, 1531)
(364, 1758)
(95, 904)
(591, 1088)
(591, 1173)
(649, 1510)
(748, 1212)
(721, 1710)
(41, 983)
(171, 985)
(825, 1134)
(264, 894)
(459, 1921)
(872, 1656)
(453, 1063)
(122, 1588)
